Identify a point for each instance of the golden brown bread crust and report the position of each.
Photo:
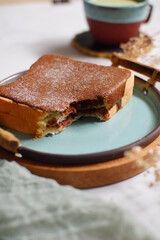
(19, 116)
(39, 103)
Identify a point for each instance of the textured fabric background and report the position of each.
(34, 208)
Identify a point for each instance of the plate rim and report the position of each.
(88, 158)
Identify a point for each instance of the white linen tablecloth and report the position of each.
(35, 208)
(28, 31)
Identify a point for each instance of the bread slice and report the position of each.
(57, 90)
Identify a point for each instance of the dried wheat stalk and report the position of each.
(151, 156)
(144, 49)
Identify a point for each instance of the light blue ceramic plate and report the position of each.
(138, 123)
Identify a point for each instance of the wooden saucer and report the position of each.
(85, 43)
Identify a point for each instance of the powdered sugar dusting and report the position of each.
(54, 82)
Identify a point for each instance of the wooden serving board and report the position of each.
(87, 176)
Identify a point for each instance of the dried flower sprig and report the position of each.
(144, 49)
(150, 158)
(137, 46)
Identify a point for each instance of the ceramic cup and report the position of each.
(112, 25)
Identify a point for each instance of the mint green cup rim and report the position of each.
(138, 13)
(137, 5)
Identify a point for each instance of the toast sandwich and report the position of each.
(57, 90)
